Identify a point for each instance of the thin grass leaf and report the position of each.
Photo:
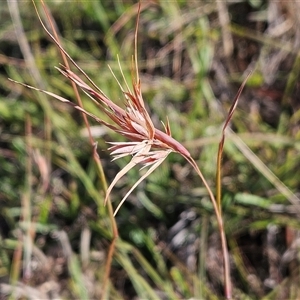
(221, 144)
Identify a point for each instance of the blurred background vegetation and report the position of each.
(193, 55)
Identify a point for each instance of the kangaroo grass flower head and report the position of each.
(147, 145)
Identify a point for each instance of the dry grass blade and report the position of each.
(218, 209)
(221, 144)
(263, 169)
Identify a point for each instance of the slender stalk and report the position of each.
(227, 280)
(199, 291)
(218, 174)
(96, 158)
